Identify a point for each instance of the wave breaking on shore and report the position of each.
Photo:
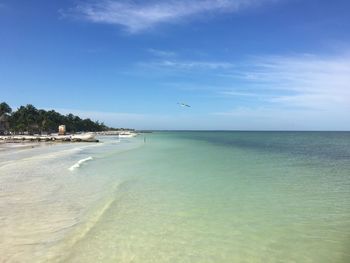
(79, 163)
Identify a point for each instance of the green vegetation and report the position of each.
(32, 120)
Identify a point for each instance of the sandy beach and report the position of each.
(44, 200)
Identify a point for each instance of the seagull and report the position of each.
(183, 104)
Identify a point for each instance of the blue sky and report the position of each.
(240, 64)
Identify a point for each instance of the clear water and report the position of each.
(180, 197)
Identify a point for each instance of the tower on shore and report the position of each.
(62, 130)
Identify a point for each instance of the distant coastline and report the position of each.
(28, 120)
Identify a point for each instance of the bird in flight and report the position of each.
(184, 104)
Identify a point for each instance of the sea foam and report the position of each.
(78, 163)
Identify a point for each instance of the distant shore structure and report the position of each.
(62, 130)
(29, 124)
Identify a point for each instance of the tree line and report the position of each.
(32, 120)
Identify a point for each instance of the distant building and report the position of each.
(62, 129)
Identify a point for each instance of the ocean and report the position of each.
(179, 197)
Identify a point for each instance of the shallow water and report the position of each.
(180, 197)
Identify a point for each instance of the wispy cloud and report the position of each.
(183, 64)
(298, 92)
(180, 65)
(241, 94)
(137, 16)
(295, 81)
(162, 53)
(302, 81)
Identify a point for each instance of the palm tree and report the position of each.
(29, 119)
(5, 108)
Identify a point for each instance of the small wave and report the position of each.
(78, 163)
(83, 230)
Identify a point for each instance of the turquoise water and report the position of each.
(181, 197)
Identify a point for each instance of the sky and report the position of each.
(240, 64)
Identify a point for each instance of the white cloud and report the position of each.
(302, 92)
(240, 94)
(181, 65)
(136, 16)
(299, 81)
(195, 64)
(306, 81)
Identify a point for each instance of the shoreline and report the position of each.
(86, 137)
(8, 146)
(24, 145)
